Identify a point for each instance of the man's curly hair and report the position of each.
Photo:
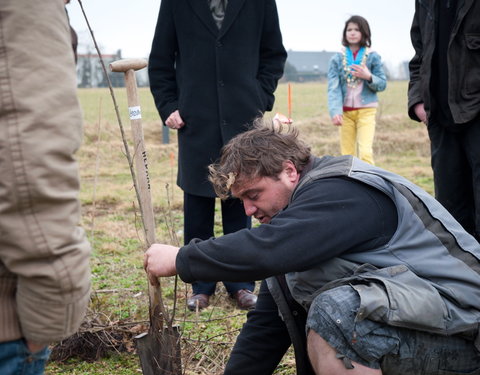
(259, 152)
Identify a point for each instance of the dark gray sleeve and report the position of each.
(414, 85)
(161, 63)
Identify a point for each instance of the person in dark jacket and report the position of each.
(365, 272)
(213, 68)
(444, 93)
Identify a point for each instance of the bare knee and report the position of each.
(324, 359)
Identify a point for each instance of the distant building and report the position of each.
(90, 72)
(304, 66)
(307, 66)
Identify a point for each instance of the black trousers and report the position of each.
(456, 171)
(199, 215)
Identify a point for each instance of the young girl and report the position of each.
(355, 75)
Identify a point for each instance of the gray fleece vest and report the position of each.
(427, 276)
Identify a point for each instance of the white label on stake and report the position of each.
(135, 113)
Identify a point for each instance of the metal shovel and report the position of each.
(159, 348)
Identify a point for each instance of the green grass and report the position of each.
(118, 364)
(112, 222)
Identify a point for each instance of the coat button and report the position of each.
(219, 44)
(224, 122)
(221, 83)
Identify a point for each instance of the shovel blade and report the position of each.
(159, 352)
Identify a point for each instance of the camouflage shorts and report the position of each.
(395, 350)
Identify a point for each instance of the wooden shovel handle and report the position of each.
(128, 66)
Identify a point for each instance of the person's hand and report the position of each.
(159, 261)
(35, 347)
(362, 72)
(420, 112)
(175, 121)
(337, 120)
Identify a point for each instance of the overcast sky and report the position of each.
(307, 25)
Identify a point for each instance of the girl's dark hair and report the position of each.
(364, 29)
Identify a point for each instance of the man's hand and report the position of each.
(159, 261)
(419, 110)
(175, 121)
(337, 120)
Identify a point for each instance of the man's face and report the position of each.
(264, 197)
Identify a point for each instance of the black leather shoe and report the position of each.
(198, 301)
(246, 300)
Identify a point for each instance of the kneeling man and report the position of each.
(365, 273)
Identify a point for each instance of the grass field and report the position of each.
(119, 306)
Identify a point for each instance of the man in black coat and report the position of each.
(444, 93)
(213, 68)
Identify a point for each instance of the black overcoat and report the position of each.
(219, 80)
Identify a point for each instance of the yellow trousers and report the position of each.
(357, 133)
